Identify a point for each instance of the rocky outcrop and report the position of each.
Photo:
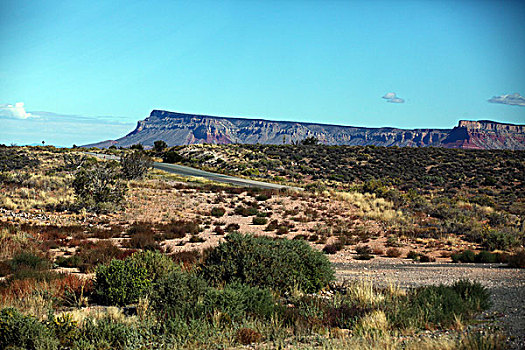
(486, 134)
(182, 129)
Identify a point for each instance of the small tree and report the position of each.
(309, 141)
(135, 165)
(172, 156)
(159, 146)
(98, 187)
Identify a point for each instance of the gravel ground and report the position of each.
(507, 286)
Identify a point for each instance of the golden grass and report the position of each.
(371, 207)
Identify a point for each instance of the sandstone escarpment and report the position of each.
(182, 129)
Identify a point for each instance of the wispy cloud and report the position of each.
(16, 111)
(513, 100)
(21, 127)
(392, 98)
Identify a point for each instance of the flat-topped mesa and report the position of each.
(487, 125)
(182, 129)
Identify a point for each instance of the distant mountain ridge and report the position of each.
(182, 129)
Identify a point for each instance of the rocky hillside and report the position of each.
(183, 129)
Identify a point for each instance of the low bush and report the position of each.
(29, 260)
(364, 252)
(99, 187)
(232, 227)
(156, 264)
(142, 241)
(517, 259)
(196, 239)
(69, 261)
(219, 230)
(333, 247)
(135, 165)
(247, 336)
(393, 252)
(238, 301)
(486, 257)
(426, 258)
(413, 255)
(279, 264)
(440, 305)
(468, 256)
(502, 239)
(218, 212)
(93, 254)
(109, 333)
(180, 294)
(259, 221)
(28, 264)
(179, 229)
(246, 211)
(121, 282)
(18, 331)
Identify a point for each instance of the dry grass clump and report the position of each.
(371, 207)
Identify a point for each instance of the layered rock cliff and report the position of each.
(182, 129)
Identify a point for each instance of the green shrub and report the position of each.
(246, 211)
(121, 282)
(18, 331)
(98, 187)
(502, 239)
(279, 264)
(26, 264)
(29, 260)
(159, 146)
(156, 264)
(107, 333)
(439, 305)
(180, 294)
(69, 261)
(364, 252)
(238, 300)
(473, 293)
(486, 257)
(413, 255)
(259, 221)
(217, 212)
(135, 165)
(466, 256)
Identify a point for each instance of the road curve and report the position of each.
(188, 171)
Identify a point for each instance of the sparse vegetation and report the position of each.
(99, 187)
(174, 267)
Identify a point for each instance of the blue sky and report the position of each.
(315, 61)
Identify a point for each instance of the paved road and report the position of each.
(188, 171)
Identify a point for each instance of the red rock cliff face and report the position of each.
(486, 134)
(182, 129)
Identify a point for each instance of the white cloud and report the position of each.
(513, 100)
(392, 98)
(16, 111)
(396, 100)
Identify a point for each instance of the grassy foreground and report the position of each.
(240, 294)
